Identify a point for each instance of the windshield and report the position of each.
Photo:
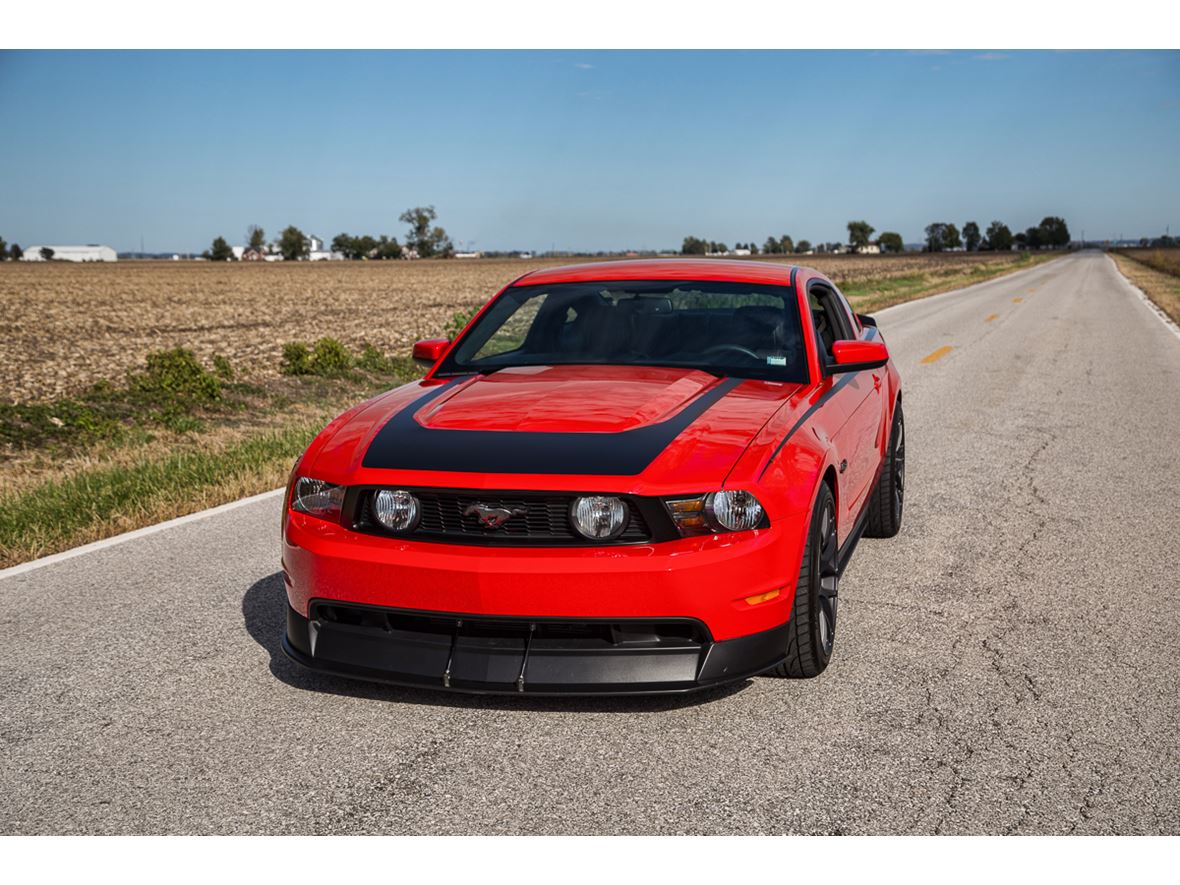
(740, 329)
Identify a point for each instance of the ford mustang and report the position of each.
(621, 477)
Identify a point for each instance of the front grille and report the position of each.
(545, 521)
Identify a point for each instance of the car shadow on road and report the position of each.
(264, 610)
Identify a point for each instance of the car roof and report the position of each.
(664, 269)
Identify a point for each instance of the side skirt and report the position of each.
(853, 539)
(858, 528)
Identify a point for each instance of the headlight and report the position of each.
(317, 498)
(734, 510)
(724, 511)
(599, 517)
(396, 509)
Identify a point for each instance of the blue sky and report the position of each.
(582, 149)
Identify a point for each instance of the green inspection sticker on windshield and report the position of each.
(776, 361)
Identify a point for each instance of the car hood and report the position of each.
(567, 399)
(628, 427)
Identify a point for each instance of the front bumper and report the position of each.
(484, 655)
(708, 579)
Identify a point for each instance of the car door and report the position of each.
(856, 397)
(869, 416)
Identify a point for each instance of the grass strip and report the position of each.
(1154, 279)
(871, 295)
(106, 500)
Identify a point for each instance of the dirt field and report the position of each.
(69, 325)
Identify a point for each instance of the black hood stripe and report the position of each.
(404, 444)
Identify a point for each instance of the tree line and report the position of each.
(1052, 233)
(424, 238)
(941, 236)
(13, 252)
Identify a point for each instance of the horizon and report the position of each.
(582, 151)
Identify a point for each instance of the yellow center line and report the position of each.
(938, 354)
(1017, 300)
(991, 317)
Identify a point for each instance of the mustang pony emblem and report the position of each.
(493, 517)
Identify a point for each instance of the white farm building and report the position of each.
(72, 253)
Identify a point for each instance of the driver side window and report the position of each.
(829, 318)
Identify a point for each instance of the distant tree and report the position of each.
(936, 236)
(440, 244)
(786, 245)
(46, 253)
(1144, 242)
(802, 246)
(771, 247)
(386, 247)
(3, 250)
(971, 236)
(859, 233)
(342, 243)
(999, 238)
(220, 250)
(293, 244)
(430, 242)
(255, 237)
(1166, 241)
(1020, 240)
(753, 248)
(365, 246)
(891, 242)
(951, 238)
(16, 252)
(419, 219)
(693, 246)
(1034, 238)
(717, 248)
(1054, 232)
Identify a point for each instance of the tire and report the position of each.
(812, 628)
(888, 498)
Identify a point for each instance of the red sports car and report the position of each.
(624, 477)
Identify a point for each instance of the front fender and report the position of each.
(786, 479)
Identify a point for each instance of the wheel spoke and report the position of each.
(829, 553)
(898, 467)
(827, 618)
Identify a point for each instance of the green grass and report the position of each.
(118, 491)
(876, 295)
(173, 392)
(61, 513)
(177, 394)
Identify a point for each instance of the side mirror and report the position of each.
(866, 320)
(856, 356)
(430, 351)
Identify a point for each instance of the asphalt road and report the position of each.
(1008, 664)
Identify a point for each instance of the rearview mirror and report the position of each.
(430, 351)
(856, 356)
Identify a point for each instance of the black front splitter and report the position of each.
(497, 666)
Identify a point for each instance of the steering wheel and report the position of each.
(721, 348)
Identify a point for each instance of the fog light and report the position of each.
(396, 509)
(599, 517)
